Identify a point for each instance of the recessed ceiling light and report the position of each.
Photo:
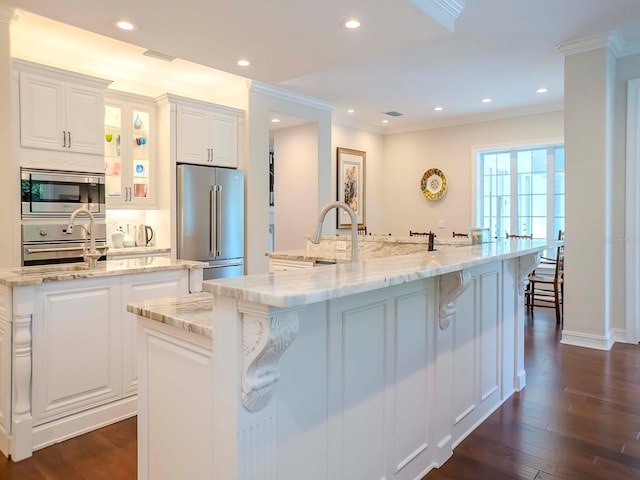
(486, 100)
(438, 109)
(350, 110)
(243, 63)
(125, 25)
(275, 120)
(352, 23)
(385, 121)
(542, 90)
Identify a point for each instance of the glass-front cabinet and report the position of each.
(129, 150)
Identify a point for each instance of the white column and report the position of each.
(589, 92)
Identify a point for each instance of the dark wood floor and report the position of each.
(578, 418)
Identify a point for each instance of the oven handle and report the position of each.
(57, 249)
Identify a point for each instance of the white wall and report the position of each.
(296, 185)
(372, 145)
(408, 155)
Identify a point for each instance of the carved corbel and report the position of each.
(22, 359)
(526, 265)
(451, 286)
(265, 337)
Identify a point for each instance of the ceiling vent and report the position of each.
(393, 114)
(158, 55)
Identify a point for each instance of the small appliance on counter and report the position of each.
(144, 235)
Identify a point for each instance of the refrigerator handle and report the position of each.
(213, 221)
(218, 220)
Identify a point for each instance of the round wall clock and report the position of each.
(433, 184)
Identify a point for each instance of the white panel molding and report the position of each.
(632, 214)
(578, 339)
(266, 334)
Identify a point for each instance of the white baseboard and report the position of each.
(587, 340)
(521, 381)
(619, 335)
(83, 422)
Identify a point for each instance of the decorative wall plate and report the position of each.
(433, 184)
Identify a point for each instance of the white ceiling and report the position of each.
(400, 59)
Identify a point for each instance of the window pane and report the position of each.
(524, 206)
(503, 184)
(503, 163)
(524, 161)
(539, 227)
(539, 183)
(539, 205)
(558, 206)
(559, 182)
(558, 225)
(489, 161)
(539, 161)
(524, 184)
(559, 159)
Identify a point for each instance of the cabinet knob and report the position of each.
(43, 232)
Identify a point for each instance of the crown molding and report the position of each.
(8, 14)
(445, 12)
(289, 95)
(613, 40)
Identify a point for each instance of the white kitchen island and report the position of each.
(356, 371)
(67, 345)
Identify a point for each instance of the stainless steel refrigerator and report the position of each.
(210, 217)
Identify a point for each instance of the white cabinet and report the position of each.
(59, 110)
(68, 361)
(129, 147)
(206, 134)
(76, 345)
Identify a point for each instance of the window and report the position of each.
(521, 191)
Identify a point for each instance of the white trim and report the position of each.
(612, 40)
(445, 12)
(619, 335)
(65, 75)
(177, 99)
(289, 95)
(578, 339)
(632, 214)
(8, 14)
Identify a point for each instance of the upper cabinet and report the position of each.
(129, 147)
(62, 112)
(207, 134)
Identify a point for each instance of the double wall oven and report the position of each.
(48, 199)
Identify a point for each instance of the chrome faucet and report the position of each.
(354, 226)
(92, 256)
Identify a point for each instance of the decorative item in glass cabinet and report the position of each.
(137, 123)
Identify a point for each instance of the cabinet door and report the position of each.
(113, 161)
(192, 131)
(42, 122)
(224, 140)
(76, 348)
(84, 113)
(138, 288)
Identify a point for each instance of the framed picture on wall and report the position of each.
(351, 185)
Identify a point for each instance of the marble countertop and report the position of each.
(23, 276)
(310, 285)
(115, 252)
(191, 313)
(369, 247)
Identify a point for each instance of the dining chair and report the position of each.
(362, 229)
(461, 235)
(418, 234)
(548, 290)
(516, 235)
